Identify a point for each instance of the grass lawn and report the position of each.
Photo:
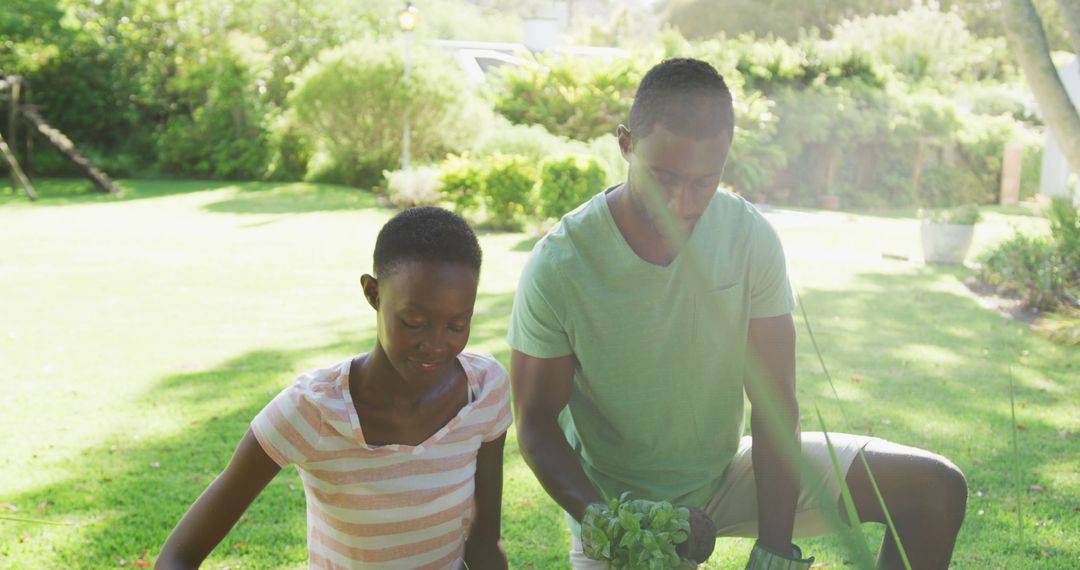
(138, 337)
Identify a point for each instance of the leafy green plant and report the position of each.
(966, 215)
(567, 182)
(462, 180)
(637, 534)
(1029, 266)
(507, 189)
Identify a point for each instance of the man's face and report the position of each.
(674, 176)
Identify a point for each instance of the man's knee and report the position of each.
(950, 489)
(938, 491)
(916, 485)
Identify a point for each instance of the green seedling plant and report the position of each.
(636, 534)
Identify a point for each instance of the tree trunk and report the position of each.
(1025, 31)
(1070, 12)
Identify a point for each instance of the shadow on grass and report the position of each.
(246, 198)
(131, 493)
(293, 198)
(69, 191)
(919, 364)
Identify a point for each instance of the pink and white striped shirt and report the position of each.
(388, 506)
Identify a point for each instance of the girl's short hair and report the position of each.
(425, 234)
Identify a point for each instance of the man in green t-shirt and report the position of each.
(643, 317)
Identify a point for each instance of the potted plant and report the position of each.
(946, 234)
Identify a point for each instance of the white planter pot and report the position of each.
(945, 243)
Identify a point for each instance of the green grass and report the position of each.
(139, 337)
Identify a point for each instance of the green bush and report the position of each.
(508, 186)
(352, 101)
(1029, 266)
(414, 187)
(567, 182)
(605, 150)
(1044, 271)
(290, 151)
(1065, 230)
(755, 156)
(536, 143)
(224, 134)
(574, 97)
(920, 43)
(533, 141)
(462, 180)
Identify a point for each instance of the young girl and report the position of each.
(399, 449)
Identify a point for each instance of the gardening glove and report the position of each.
(762, 558)
(701, 541)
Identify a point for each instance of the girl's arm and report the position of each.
(484, 547)
(219, 507)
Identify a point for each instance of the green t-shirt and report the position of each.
(657, 402)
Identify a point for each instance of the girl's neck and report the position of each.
(375, 380)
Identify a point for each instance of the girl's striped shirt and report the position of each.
(390, 506)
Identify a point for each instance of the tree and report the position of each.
(1025, 32)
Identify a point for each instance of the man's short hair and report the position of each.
(425, 234)
(687, 96)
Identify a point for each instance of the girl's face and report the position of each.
(424, 317)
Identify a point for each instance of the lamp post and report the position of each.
(407, 21)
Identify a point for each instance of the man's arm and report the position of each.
(541, 389)
(219, 507)
(484, 547)
(774, 421)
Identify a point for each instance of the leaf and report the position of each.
(629, 520)
(1037, 488)
(239, 545)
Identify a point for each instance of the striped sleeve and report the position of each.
(287, 427)
(500, 395)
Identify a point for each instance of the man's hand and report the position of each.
(484, 555)
(762, 558)
(702, 540)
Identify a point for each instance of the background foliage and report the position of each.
(882, 104)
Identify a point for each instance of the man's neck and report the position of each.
(640, 230)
